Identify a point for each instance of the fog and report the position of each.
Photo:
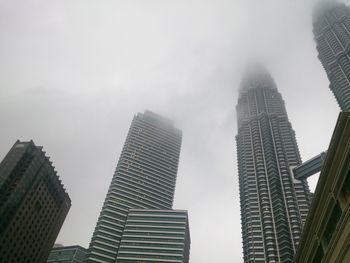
(73, 74)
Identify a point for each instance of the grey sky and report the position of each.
(73, 73)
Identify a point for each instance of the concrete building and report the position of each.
(326, 235)
(274, 205)
(33, 204)
(331, 27)
(145, 178)
(67, 254)
(155, 236)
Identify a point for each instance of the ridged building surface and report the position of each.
(274, 205)
(67, 254)
(145, 178)
(33, 204)
(155, 236)
(331, 27)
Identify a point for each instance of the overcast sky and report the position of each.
(73, 73)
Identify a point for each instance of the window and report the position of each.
(332, 223)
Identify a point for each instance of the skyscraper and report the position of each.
(144, 179)
(33, 204)
(331, 27)
(274, 205)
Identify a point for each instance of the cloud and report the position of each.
(73, 74)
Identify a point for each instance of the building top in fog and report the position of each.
(323, 7)
(274, 205)
(331, 28)
(145, 178)
(156, 118)
(256, 76)
(258, 96)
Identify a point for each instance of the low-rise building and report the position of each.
(67, 254)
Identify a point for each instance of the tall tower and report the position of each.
(274, 205)
(33, 204)
(145, 180)
(331, 27)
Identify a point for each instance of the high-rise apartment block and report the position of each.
(331, 27)
(274, 205)
(33, 204)
(144, 179)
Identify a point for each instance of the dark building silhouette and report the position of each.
(144, 179)
(33, 204)
(67, 254)
(274, 205)
(331, 27)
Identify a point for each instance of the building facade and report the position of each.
(326, 235)
(33, 204)
(145, 178)
(67, 254)
(274, 205)
(155, 236)
(331, 27)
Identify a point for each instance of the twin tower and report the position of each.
(274, 204)
(137, 223)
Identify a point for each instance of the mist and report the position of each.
(73, 74)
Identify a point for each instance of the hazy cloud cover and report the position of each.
(73, 73)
